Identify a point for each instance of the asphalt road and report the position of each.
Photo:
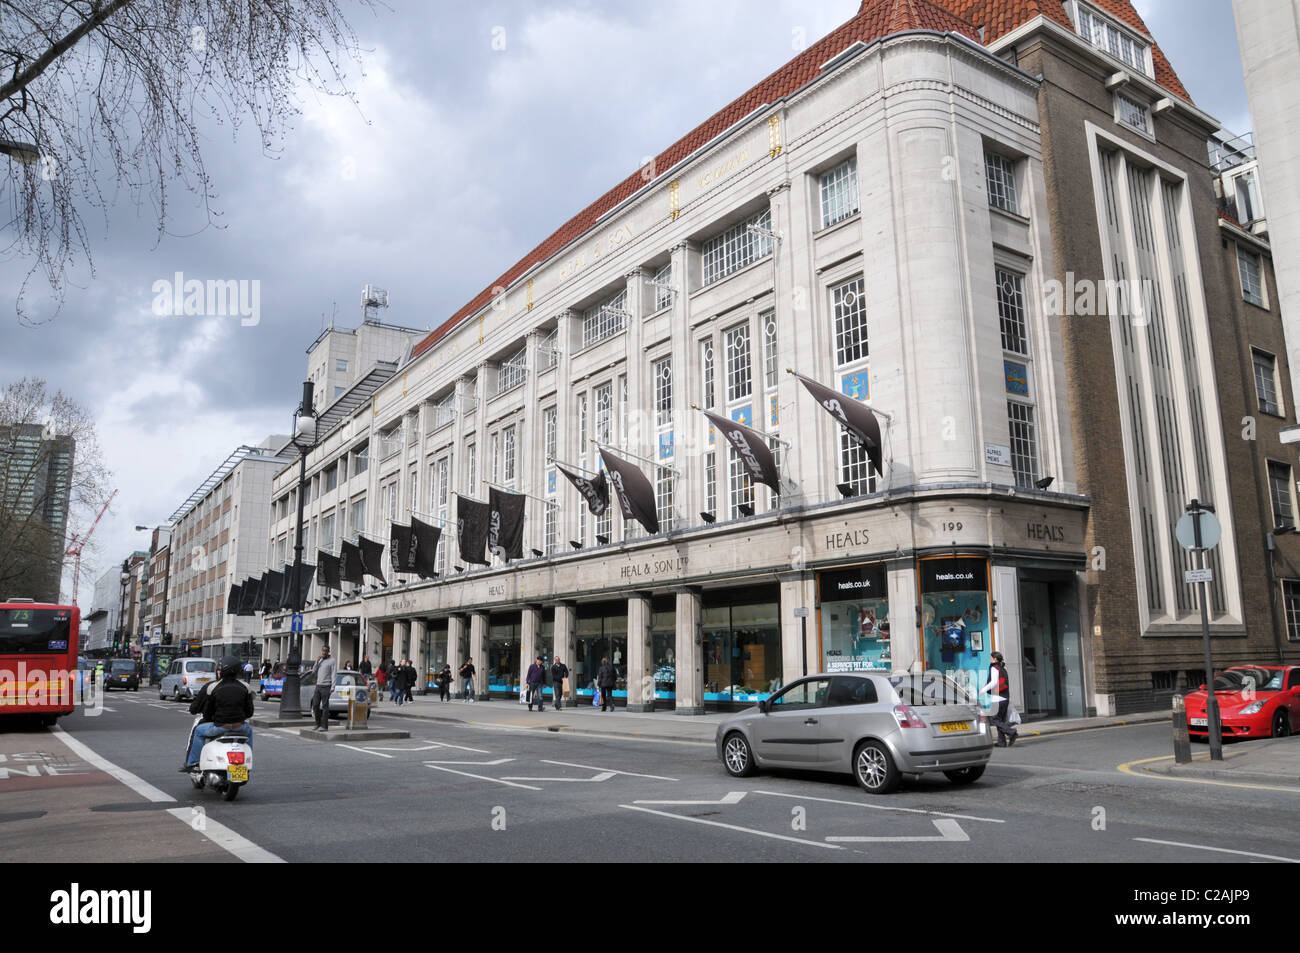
(467, 793)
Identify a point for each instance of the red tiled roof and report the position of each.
(1000, 17)
(875, 19)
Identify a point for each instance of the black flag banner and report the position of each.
(855, 417)
(232, 600)
(350, 563)
(472, 518)
(329, 570)
(400, 551)
(595, 492)
(751, 447)
(424, 548)
(506, 523)
(635, 494)
(304, 584)
(286, 588)
(268, 591)
(372, 558)
(247, 597)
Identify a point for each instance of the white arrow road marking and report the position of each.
(428, 747)
(734, 797)
(484, 764)
(730, 827)
(481, 777)
(949, 830)
(364, 750)
(592, 767)
(884, 807)
(603, 776)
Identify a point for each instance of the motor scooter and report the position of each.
(224, 763)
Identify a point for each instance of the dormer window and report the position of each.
(1109, 37)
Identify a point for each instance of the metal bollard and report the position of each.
(1182, 741)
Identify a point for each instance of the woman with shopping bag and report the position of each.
(999, 688)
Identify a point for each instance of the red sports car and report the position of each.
(1255, 701)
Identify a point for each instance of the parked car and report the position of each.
(347, 684)
(1255, 701)
(186, 677)
(874, 726)
(122, 674)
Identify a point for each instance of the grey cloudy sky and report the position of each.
(457, 159)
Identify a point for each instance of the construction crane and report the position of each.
(77, 542)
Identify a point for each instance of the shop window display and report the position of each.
(742, 652)
(601, 635)
(663, 653)
(955, 617)
(855, 620)
(503, 657)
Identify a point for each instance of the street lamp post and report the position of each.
(121, 606)
(303, 441)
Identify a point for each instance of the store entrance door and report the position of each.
(1052, 649)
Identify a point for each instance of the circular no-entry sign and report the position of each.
(1211, 531)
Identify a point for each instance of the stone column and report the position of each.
(374, 636)
(401, 638)
(478, 635)
(798, 590)
(420, 653)
(335, 637)
(690, 653)
(566, 616)
(640, 680)
(904, 626)
(455, 633)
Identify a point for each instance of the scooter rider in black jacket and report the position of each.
(225, 706)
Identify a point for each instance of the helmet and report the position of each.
(230, 666)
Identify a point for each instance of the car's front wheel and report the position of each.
(1281, 723)
(874, 768)
(965, 775)
(737, 756)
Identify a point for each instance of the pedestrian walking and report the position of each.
(381, 679)
(999, 685)
(324, 670)
(394, 679)
(400, 675)
(248, 670)
(444, 679)
(559, 672)
(606, 679)
(366, 668)
(467, 673)
(411, 676)
(536, 679)
(266, 669)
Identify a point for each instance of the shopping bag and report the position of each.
(595, 699)
(526, 696)
(1013, 716)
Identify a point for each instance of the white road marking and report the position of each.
(480, 777)
(949, 830)
(164, 707)
(590, 767)
(603, 776)
(429, 746)
(1219, 850)
(136, 784)
(364, 750)
(884, 807)
(482, 764)
(734, 797)
(731, 827)
(219, 834)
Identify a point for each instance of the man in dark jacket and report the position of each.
(412, 676)
(606, 679)
(225, 706)
(559, 672)
(536, 679)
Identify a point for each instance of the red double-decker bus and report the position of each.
(38, 659)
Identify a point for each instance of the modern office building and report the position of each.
(219, 538)
(36, 472)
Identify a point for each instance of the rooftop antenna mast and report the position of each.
(372, 299)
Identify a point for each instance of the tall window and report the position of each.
(1266, 382)
(662, 374)
(839, 192)
(327, 533)
(1279, 490)
(855, 465)
(740, 489)
(1011, 312)
(736, 248)
(711, 482)
(849, 308)
(771, 359)
(551, 527)
(736, 349)
(1252, 282)
(508, 450)
(664, 498)
(706, 373)
(494, 461)
(548, 352)
(471, 468)
(1000, 173)
(358, 517)
(513, 371)
(582, 460)
(605, 319)
(1024, 447)
(604, 397)
(663, 279)
(442, 501)
(549, 433)
(1291, 606)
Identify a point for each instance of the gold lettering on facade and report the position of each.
(529, 305)
(722, 169)
(674, 203)
(773, 136)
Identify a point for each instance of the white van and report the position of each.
(186, 677)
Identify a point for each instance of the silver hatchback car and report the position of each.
(875, 726)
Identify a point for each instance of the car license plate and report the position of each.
(950, 726)
(1200, 723)
(237, 772)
